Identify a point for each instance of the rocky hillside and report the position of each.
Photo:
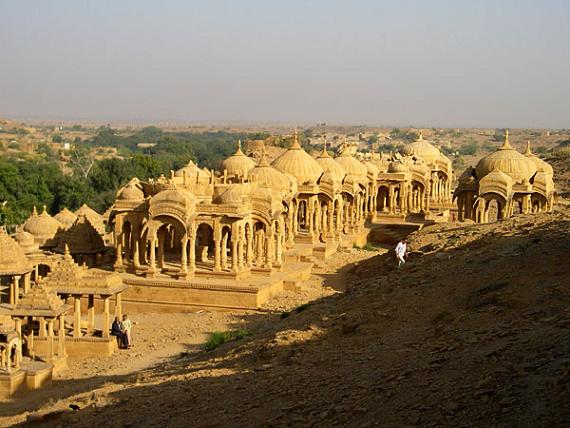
(473, 331)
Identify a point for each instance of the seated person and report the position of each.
(116, 330)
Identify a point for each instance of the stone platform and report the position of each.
(31, 375)
(166, 294)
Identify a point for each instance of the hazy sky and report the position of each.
(493, 63)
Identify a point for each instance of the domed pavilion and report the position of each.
(505, 183)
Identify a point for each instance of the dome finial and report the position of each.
(45, 210)
(506, 145)
(34, 211)
(324, 153)
(238, 151)
(421, 136)
(263, 161)
(295, 144)
(66, 250)
(528, 151)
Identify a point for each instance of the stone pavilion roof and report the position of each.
(81, 238)
(13, 260)
(66, 277)
(40, 301)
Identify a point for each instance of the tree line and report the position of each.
(150, 152)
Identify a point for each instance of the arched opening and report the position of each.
(125, 240)
(494, 208)
(517, 206)
(259, 243)
(169, 235)
(225, 248)
(416, 202)
(205, 246)
(382, 199)
(397, 200)
(302, 216)
(43, 270)
(538, 203)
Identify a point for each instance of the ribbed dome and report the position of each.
(229, 197)
(26, 241)
(539, 163)
(238, 164)
(265, 175)
(381, 162)
(352, 166)
(397, 167)
(131, 192)
(328, 164)
(13, 261)
(174, 195)
(42, 227)
(65, 217)
(371, 168)
(262, 194)
(507, 160)
(298, 163)
(498, 178)
(93, 216)
(422, 149)
(192, 170)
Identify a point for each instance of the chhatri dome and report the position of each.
(238, 164)
(267, 176)
(13, 261)
(131, 192)
(194, 172)
(422, 149)
(539, 163)
(43, 227)
(328, 164)
(351, 165)
(298, 163)
(506, 159)
(26, 241)
(65, 217)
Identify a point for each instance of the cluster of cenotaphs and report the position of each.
(230, 238)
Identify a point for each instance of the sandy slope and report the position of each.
(474, 331)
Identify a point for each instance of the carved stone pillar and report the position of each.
(224, 250)
(50, 350)
(106, 317)
(77, 316)
(119, 257)
(240, 248)
(249, 246)
(161, 250)
(184, 255)
(217, 247)
(30, 335)
(90, 314)
(136, 253)
(61, 336)
(192, 255)
(269, 247)
(119, 305)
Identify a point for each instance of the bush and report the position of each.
(218, 338)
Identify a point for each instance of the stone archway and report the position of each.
(382, 202)
(205, 246)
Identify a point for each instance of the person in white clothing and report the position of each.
(401, 252)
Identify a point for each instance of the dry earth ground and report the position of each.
(473, 331)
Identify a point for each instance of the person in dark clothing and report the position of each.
(116, 330)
